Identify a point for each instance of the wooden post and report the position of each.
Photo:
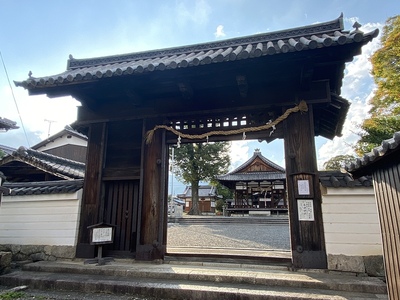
(387, 193)
(304, 196)
(152, 221)
(90, 204)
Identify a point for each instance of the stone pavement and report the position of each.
(262, 237)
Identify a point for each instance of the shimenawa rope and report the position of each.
(302, 107)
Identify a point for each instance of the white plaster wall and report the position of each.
(351, 221)
(40, 219)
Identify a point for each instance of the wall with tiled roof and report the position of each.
(40, 214)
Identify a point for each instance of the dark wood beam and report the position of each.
(242, 85)
(186, 90)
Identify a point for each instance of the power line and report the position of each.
(15, 101)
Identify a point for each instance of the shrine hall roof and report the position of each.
(253, 176)
(321, 35)
(257, 154)
(240, 173)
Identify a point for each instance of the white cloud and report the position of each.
(239, 153)
(34, 110)
(219, 32)
(198, 14)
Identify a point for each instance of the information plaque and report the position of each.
(102, 235)
(305, 209)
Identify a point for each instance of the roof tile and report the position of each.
(45, 187)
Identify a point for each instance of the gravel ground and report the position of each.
(239, 236)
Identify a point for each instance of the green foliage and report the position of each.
(338, 162)
(219, 205)
(12, 295)
(223, 191)
(201, 162)
(375, 130)
(2, 154)
(384, 120)
(386, 70)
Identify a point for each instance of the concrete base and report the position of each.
(38, 252)
(260, 213)
(371, 265)
(5, 262)
(309, 259)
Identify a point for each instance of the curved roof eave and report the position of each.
(316, 36)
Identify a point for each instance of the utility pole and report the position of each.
(50, 121)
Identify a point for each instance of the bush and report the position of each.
(219, 205)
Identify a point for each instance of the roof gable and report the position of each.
(65, 133)
(258, 163)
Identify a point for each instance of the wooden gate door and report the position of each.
(120, 209)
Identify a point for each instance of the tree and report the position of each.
(374, 130)
(1, 154)
(386, 70)
(385, 111)
(200, 162)
(338, 162)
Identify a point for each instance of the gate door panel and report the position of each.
(120, 209)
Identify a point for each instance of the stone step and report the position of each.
(195, 281)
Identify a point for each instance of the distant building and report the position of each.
(207, 198)
(68, 143)
(257, 184)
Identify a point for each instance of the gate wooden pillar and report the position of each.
(304, 196)
(92, 188)
(151, 241)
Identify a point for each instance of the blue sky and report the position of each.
(39, 35)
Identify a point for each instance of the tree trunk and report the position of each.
(194, 210)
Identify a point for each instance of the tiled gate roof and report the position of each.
(321, 35)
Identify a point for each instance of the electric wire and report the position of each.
(15, 100)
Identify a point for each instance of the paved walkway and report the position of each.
(237, 239)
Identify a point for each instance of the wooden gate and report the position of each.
(196, 89)
(120, 209)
